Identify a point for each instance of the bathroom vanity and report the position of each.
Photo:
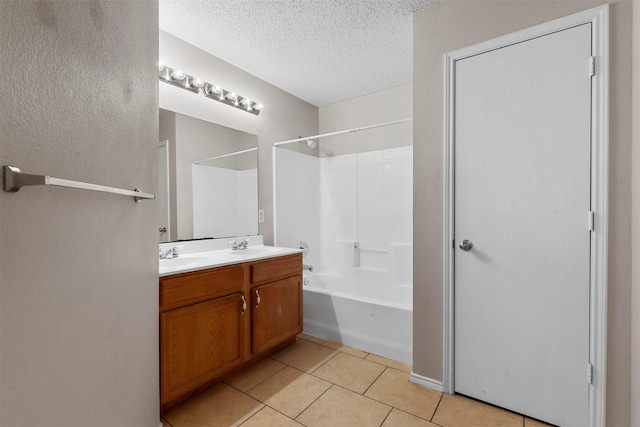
(226, 311)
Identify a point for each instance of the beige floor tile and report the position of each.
(390, 363)
(350, 372)
(393, 388)
(267, 417)
(398, 418)
(289, 391)
(461, 411)
(346, 349)
(255, 374)
(341, 407)
(221, 406)
(528, 422)
(304, 355)
(312, 338)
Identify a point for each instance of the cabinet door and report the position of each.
(199, 342)
(277, 312)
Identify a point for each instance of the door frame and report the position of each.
(166, 166)
(599, 18)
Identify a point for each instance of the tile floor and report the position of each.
(319, 383)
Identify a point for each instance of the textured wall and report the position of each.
(635, 302)
(284, 116)
(79, 285)
(450, 25)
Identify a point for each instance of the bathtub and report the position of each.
(360, 312)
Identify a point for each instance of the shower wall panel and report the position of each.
(354, 210)
(296, 201)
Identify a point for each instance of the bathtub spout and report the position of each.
(307, 267)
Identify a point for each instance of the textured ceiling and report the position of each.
(322, 51)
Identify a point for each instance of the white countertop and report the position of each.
(189, 260)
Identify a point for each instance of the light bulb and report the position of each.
(177, 75)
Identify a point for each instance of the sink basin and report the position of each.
(256, 251)
(183, 262)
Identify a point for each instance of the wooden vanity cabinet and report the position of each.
(276, 301)
(276, 313)
(202, 328)
(215, 321)
(201, 342)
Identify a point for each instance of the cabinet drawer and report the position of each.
(275, 268)
(182, 290)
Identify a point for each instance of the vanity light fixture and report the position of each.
(185, 81)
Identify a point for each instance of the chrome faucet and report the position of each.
(170, 253)
(235, 246)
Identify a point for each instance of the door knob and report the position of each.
(163, 229)
(466, 245)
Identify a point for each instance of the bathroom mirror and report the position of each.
(208, 180)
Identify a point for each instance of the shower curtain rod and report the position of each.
(235, 153)
(275, 144)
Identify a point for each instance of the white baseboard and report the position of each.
(426, 382)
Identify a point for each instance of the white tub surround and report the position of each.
(200, 254)
(355, 213)
(380, 323)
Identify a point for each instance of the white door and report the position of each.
(163, 192)
(522, 147)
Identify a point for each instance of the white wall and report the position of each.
(451, 25)
(79, 270)
(284, 116)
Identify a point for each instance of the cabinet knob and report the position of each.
(257, 298)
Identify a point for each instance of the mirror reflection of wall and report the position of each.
(213, 192)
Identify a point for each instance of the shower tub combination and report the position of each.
(355, 213)
(380, 323)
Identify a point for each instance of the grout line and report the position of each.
(283, 414)
(437, 407)
(162, 419)
(374, 381)
(265, 379)
(323, 363)
(254, 414)
(314, 401)
(367, 397)
(385, 418)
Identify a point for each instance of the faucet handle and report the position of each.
(234, 245)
